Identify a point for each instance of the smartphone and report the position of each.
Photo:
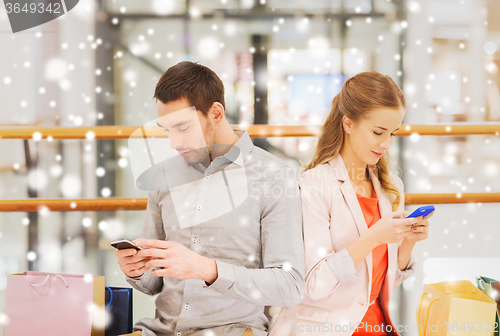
(124, 244)
(422, 211)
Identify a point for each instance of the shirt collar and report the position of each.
(241, 149)
(238, 152)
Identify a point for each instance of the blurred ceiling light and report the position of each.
(490, 47)
(70, 186)
(55, 69)
(230, 28)
(303, 24)
(318, 46)
(140, 48)
(491, 67)
(195, 12)
(163, 7)
(130, 75)
(414, 7)
(246, 4)
(410, 89)
(491, 169)
(396, 28)
(208, 47)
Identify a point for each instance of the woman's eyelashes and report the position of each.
(392, 134)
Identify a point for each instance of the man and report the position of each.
(223, 229)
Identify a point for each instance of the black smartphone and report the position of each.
(124, 244)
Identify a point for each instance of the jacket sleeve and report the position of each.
(326, 269)
(402, 275)
(153, 229)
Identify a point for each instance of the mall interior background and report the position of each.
(282, 62)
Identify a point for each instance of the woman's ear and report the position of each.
(347, 123)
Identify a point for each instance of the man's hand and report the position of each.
(177, 260)
(131, 263)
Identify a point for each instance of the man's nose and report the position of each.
(175, 142)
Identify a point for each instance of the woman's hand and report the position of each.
(419, 231)
(392, 228)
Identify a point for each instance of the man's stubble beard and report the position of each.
(202, 155)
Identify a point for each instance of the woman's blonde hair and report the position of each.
(359, 95)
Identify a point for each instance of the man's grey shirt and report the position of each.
(244, 212)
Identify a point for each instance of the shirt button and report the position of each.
(195, 240)
(178, 334)
(186, 307)
(208, 175)
(199, 207)
(145, 278)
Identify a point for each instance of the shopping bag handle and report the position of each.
(428, 312)
(480, 283)
(47, 279)
(111, 296)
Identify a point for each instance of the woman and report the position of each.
(357, 242)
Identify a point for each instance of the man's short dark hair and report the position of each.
(192, 81)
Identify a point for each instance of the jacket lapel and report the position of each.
(350, 198)
(385, 207)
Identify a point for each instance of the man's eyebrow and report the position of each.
(385, 129)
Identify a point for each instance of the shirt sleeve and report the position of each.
(402, 275)
(326, 268)
(281, 280)
(153, 229)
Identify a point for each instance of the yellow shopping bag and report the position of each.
(455, 308)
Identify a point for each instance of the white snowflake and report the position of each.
(106, 192)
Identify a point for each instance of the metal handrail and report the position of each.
(256, 131)
(115, 204)
(124, 132)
